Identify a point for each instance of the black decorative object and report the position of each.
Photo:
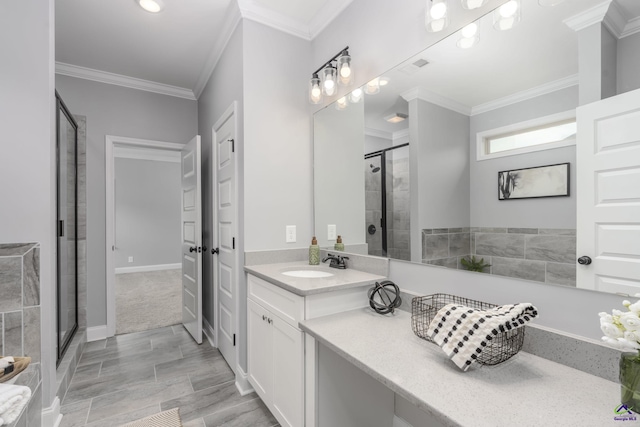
(533, 183)
(501, 348)
(384, 297)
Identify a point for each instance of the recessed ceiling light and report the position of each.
(153, 6)
(396, 117)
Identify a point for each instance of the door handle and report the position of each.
(204, 248)
(193, 248)
(215, 251)
(584, 260)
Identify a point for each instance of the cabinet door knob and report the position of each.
(584, 260)
(264, 317)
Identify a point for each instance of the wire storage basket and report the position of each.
(501, 348)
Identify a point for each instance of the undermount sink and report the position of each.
(309, 274)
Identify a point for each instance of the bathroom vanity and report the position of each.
(281, 359)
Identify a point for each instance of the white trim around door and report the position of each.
(111, 142)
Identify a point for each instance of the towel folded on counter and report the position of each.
(463, 332)
(12, 399)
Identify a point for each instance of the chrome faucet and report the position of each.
(337, 261)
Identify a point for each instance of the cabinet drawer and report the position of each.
(286, 305)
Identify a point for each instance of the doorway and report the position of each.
(143, 234)
(387, 199)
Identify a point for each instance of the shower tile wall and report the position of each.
(373, 206)
(82, 220)
(398, 209)
(542, 255)
(20, 300)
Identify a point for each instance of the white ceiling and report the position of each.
(176, 47)
(541, 52)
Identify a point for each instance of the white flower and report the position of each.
(635, 307)
(632, 336)
(624, 344)
(606, 316)
(626, 303)
(609, 328)
(630, 321)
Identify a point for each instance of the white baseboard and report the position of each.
(242, 382)
(96, 333)
(145, 268)
(51, 416)
(209, 332)
(399, 422)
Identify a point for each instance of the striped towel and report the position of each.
(463, 332)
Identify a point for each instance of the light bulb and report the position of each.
(470, 30)
(438, 10)
(383, 81)
(315, 92)
(508, 9)
(341, 103)
(472, 4)
(153, 6)
(329, 84)
(355, 96)
(345, 71)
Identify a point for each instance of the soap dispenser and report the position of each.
(314, 252)
(339, 246)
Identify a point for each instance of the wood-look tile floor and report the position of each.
(128, 377)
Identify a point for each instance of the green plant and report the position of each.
(473, 264)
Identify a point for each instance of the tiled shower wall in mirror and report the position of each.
(545, 255)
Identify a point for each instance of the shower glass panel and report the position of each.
(387, 202)
(67, 286)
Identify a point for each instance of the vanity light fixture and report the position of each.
(372, 87)
(396, 117)
(355, 96)
(437, 15)
(342, 103)
(153, 6)
(473, 4)
(334, 72)
(469, 36)
(507, 16)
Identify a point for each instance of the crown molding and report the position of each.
(588, 17)
(632, 27)
(124, 81)
(231, 21)
(378, 133)
(402, 133)
(254, 12)
(614, 20)
(526, 94)
(434, 98)
(326, 15)
(146, 154)
(308, 31)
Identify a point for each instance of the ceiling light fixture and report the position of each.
(153, 6)
(437, 15)
(396, 117)
(507, 16)
(334, 72)
(355, 96)
(469, 36)
(473, 4)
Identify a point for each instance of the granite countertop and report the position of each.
(341, 279)
(525, 390)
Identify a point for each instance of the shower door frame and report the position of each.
(383, 188)
(64, 345)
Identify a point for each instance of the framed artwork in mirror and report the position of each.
(535, 182)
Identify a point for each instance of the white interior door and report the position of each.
(608, 172)
(192, 239)
(225, 211)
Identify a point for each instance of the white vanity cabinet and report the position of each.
(276, 350)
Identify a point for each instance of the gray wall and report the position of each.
(223, 88)
(486, 209)
(339, 195)
(27, 151)
(115, 110)
(147, 212)
(629, 63)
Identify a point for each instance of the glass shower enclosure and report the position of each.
(67, 230)
(387, 195)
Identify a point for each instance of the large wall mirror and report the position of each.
(467, 150)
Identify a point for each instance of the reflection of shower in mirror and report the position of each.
(374, 169)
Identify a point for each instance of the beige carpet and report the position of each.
(170, 418)
(148, 300)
